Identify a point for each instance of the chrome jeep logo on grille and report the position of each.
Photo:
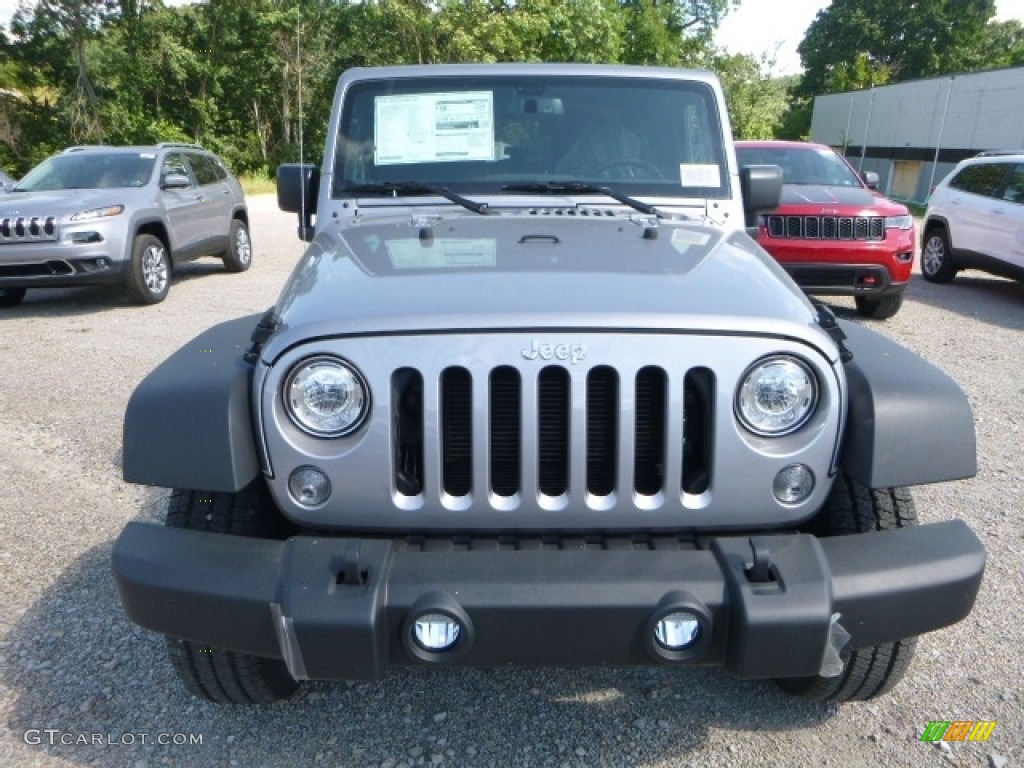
(574, 353)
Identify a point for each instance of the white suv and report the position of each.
(975, 219)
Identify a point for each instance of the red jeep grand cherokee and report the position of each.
(833, 232)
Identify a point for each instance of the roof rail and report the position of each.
(79, 147)
(1000, 152)
(179, 144)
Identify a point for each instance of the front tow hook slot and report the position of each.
(349, 570)
(760, 570)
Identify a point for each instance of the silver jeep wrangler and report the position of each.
(533, 396)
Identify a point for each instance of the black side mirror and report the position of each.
(298, 187)
(761, 187)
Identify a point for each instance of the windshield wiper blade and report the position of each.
(582, 188)
(403, 188)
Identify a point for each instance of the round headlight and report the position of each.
(325, 397)
(776, 396)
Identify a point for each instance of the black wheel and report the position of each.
(11, 297)
(879, 309)
(214, 673)
(867, 672)
(149, 274)
(239, 255)
(937, 264)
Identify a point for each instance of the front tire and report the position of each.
(216, 674)
(149, 274)
(879, 309)
(11, 297)
(867, 672)
(937, 264)
(239, 255)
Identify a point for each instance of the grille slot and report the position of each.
(407, 410)
(826, 227)
(553, 430)
(698, 416)
(457, 434)
(649, 455)
(602, 431)
(506, 431)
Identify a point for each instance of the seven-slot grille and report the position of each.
(641, 434)
(826, 227)
(28, 229)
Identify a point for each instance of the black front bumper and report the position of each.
(337, 608)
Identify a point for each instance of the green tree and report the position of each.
(755, 98)
(859, 43)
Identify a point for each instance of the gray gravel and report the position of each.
(73, 669)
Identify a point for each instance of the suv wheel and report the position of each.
(879, 309)
(867, 672)
(239, 255)
(217, 674)
(11, 297)
(937, 264)
(149, 274)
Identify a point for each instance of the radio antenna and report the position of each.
(298, 67)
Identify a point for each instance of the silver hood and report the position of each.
(537, 269)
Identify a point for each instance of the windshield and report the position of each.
(90, 170)
(478, 134)
(802, 165)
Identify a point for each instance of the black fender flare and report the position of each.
(189, 423)
(908, 423)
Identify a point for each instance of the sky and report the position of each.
(755, 27)
(760, 26)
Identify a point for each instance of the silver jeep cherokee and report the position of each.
(534, 396)
(102, 214)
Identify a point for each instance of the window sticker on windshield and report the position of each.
(699, 175)
(443, 253)
(433, 128)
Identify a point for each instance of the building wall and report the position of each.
(912, 134)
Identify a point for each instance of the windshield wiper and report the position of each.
(582, 188)
(403, 188)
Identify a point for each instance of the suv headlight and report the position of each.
(899, 222)
(776, 396)
(98, 213)
(326, 397)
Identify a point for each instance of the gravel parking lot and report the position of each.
(80, 685)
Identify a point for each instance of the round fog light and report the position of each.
(436, 632)
(793, 484)
(677, 631)
(309, 486)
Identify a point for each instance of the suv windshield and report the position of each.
(482, 134)
(805, 165)
(90, 170)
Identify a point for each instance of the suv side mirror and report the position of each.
(298, 186)
(761, 187)
(175, 181)
(871, 179)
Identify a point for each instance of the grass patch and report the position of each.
(258, 185)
